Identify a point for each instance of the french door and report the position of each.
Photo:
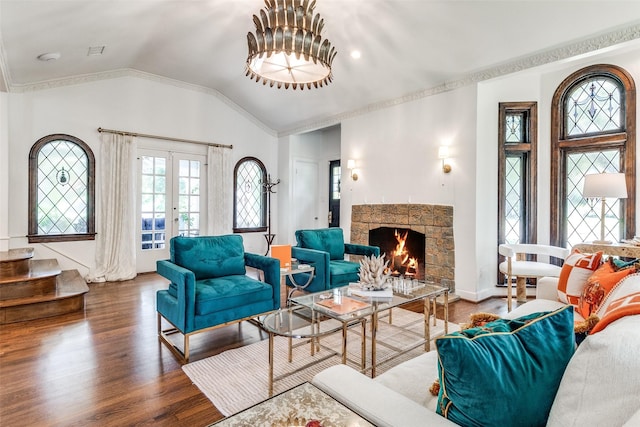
(171, 202)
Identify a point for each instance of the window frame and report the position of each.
(624, 141)
(263, 210)
(33, 236)
(528, 152)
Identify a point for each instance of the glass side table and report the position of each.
(291, 273)
(300, 322)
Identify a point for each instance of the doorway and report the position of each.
(305, 194)
(171, 201)
(335, 182)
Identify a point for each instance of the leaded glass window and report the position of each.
(517, 172)
(250, 197)
(593, 116)
(61, 197)
(583, 216)
(514, 128)
(517, 159)
(514, 199)
(593, 106)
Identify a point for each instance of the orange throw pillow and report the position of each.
(574, 274)
(625, 306)
(598, 286)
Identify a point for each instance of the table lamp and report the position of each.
(603, 186)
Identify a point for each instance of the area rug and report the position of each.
(237, 379)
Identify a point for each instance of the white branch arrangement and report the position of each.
(372, 275)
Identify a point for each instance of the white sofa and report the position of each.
(600, 386)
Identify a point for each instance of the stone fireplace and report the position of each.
(435, 222)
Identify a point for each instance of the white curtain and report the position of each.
(220, 191)
(116, 240)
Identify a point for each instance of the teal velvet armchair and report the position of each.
(325, 249)
(210, 288)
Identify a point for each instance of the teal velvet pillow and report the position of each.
(209, 256)
(323, 239)
(505, 373)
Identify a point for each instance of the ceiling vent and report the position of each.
(95, 50)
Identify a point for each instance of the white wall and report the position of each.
(4, 173)
(132, 104)
(396, 150)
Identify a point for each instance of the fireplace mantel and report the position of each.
(434, 221)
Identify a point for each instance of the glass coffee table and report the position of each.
(297, 407)
(350, 304)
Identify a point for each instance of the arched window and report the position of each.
(593, 125)
(249, 196)
(61, 190)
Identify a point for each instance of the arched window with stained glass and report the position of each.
(594, 106)
(249, 196)
(61, 190)
(593, 122)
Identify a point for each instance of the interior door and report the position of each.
(171, 202)
(335, 180)
(305, 195)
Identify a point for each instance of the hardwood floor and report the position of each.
(106, 367)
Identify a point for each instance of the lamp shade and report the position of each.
(607, 185)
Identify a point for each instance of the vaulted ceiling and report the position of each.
(410, 48)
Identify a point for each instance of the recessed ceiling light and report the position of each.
(355, 54)
(52, 56)
(95, 50)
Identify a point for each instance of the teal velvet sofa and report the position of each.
(209, 287)
(325, 249)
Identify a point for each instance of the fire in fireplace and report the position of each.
(403, 248)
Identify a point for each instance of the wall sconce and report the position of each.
(353, 171)
(443, 154)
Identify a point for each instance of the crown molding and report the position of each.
(545, 57)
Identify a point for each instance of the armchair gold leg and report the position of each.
(163, 335)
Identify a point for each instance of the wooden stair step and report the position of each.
(39, 279)
(37, 269)
(15, 261)
(67, 297)
(16, 254)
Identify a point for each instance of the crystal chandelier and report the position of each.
(287, 49)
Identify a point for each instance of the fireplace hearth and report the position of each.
(403, 249)
(433, 222)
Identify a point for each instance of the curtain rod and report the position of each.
(166, 138)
